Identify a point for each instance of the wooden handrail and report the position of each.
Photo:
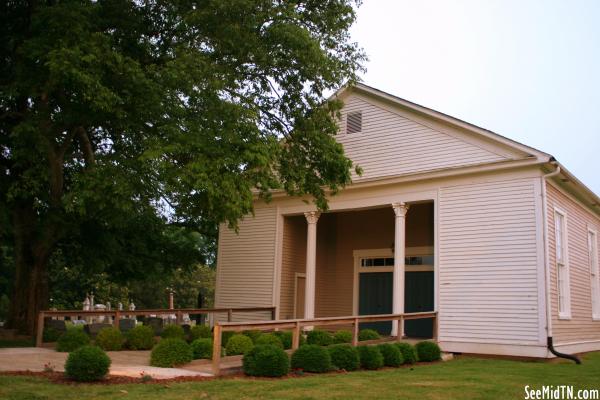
(116, 314)
(296, 326)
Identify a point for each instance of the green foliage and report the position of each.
(287, 337)
(253, 335)
(200, 331)
(370, 357)
(266, 360)
(428, 351)
(409, 353)
(368, 334)
(319, 337)
(112, 110)
(344, 356)
(110, 339)
(312, 358)
(270, 339)
(225, 336)
(72, 339)
(238, 344)
(170, 353)
(87, 364)
(202, 348)
(342, 336)
(392, 357)
(140, 338)
(173, 331)
(51, 334)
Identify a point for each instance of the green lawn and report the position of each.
(463, 378)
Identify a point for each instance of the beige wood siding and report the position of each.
(580, 327)
(488, 289)
(293, 261)
(245, 263)
(391, 144)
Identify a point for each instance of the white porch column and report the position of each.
(400, 209)
(311, 263)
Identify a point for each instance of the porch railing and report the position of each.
(117, 314)
(296, 326)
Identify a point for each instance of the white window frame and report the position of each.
(562, 265)
(592, 237)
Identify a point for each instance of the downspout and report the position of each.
(550, 341)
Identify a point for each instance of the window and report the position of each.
(594, 278)
(354, 122)
(562, 266)
(389, 262)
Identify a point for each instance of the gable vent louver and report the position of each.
(354, 122)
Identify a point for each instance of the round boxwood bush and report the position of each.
(344, 356)
(319, 337)
(72, 339)
(140, 338)
(312, 358)
(253, 335)
(409, 353)
(286, 338)
(266, 360)
(270, 338)
(200, 331)
(342, 336)
(202, 348)
(109, 339)
(238, 344)
(392, 357)
(428, 351)
(170, 353)
(368, 334)
(370, 357)
(173, 331)
(87, 363)
(225, 336)
(50, 334)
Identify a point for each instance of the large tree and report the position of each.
(125, 123)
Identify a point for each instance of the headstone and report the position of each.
(156, 323)
(120, 306)
(126, 324)
(57, 324)
(93, 329)
(186, 328)
(100, 307)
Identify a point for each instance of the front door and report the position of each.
(418, 297)
(375, 297)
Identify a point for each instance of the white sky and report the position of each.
(529, 70)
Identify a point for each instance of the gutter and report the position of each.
(549, 339)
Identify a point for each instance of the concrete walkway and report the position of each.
(124, 363)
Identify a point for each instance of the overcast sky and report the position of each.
(529, 70)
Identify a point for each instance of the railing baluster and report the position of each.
(216, 356)
(355, 333)
(40, 330)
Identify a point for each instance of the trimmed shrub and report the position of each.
(368, 334)
(140, 338)
(71, 340)
(428, 351)
(270, 339)
(200, 331)
(202, 348)
(392, 357)
(409, 353)
(370, 357)
(86, 364)
(173, 331)
(342, 336)
(266, 360)
(253, 335)
(286, 338)
(110, 339)
(312, 358)
(225, 336)
(319, 337)
(344, 356)
(170, 353)
(51, 334)
(238, 344)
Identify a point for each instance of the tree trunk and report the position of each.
(30, 293)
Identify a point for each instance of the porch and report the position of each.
(343, 263)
